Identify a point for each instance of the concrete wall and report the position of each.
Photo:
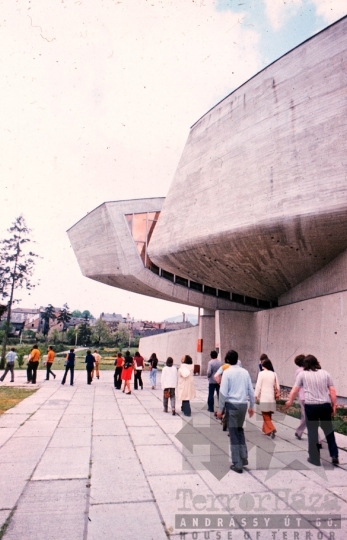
(263, 175)
(238, 331)
(317, 326)
(174, 344)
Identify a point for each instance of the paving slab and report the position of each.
(36, 428)
(110, 521)
(63, 463)
(109, 427)
(118, 455)
(167, 461)
(13, 420)
(59, 511)
(71, 437)
(148, 435)
(6, 433)
(110, 484)
(24, 450)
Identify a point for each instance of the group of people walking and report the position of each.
(172, 378)
(234, 388)
(232, 384)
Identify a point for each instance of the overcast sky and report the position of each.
(97, 98)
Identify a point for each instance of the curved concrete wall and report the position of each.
(264, 178)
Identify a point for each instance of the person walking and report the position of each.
(153, 362)
(138, 366)
(213, 386)
(119, 362)
(127, 372)
(236, 387)
(11, 357)
(89, 361)
(34, 362)
(169, 380)
(320, 407)
(97, 359)
(185, 387)
(29, 370)
(299, 361)
(49, 362)
(69, 366)
(267, 390)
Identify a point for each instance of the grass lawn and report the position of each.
(339, 422)
(9, 397)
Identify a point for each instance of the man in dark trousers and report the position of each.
(89, 361)
(235, 389)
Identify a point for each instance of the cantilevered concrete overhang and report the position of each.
(108, 251)
(258, 203)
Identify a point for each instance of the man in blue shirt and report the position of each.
(235, 389)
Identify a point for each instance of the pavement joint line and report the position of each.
(257, 479)
(90, 476)
(13, 511)
(123, 502)
(161, 518)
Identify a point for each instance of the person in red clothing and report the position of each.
(119, 362)
(139, 364)
(127, 371)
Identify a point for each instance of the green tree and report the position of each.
(85, 332)
(64, 317)
(46, 316)
(121, 337)
(76, 313)
(55, 336)
(71, 336)
(101, 333)
(17, 263)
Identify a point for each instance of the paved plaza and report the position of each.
(91, 463)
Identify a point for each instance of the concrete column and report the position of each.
(207, 335)
(238, 330)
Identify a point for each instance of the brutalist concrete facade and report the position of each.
(257, 213)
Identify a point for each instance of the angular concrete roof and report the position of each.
(107, 252)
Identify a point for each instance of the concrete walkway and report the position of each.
(89, 462)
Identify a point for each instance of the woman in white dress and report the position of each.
(186, 388)
(266, 388)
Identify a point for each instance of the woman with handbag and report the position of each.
(266, 392)
(186, 388)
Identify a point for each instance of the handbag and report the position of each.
(277, 394)
(167, 393)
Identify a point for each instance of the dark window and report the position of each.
(196, 286)
(167, 275)
(155, 269)
(251, 301)
(224, 294)
(181, 281)
(210, 290)
(263, 304)
(239, 298)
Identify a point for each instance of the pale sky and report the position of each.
(97, 98)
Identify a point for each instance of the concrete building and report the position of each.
(253, 227)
